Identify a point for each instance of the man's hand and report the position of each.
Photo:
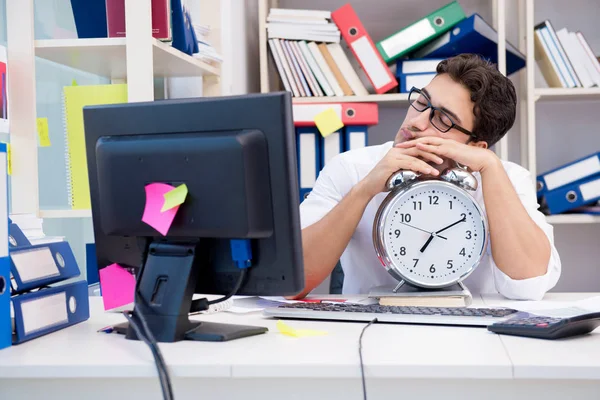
(474, 157)
(396, 159)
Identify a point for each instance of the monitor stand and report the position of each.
(163, 295)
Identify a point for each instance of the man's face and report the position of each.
(451, 97)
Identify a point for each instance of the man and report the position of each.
(465, 109)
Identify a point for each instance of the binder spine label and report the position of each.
(590, 190)
(44, 312)
(572, 173)
(367, 55)
(34, 264)
(406, 38)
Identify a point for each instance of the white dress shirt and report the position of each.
(362, 269)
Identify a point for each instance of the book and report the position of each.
(407, 295)
(161, 19)
(74, 99)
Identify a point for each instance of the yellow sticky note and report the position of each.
(175, 197)
(287, 330)
(42, 129)
(328, 122)
(8, 160)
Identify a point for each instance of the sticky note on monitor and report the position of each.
(328, 122)
(117, 285)
(175, 197)
(155, 200)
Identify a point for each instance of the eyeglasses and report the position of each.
(438, 118)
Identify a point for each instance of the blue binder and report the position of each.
(181, 26)
(331, 146)
(573, 195)
(355, 137)
(40, 265)
(16, 237)
(5, 319)
(90, 18)
(418, 80)
(48, 310)
(472, 35)
(308, 154)
(567, 173)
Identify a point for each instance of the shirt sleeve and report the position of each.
(333, 183)
(531, 288)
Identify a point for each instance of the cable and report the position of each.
(165, 382)
(362, 368)
(235, 289)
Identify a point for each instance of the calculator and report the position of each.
(547, 327)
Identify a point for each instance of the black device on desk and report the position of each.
(237, 156)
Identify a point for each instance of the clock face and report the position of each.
(433, 234)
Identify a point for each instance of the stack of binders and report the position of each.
(570, 186)
(314, 151)
(38, 308)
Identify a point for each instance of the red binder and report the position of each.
(161, 18)
(364, 49)
(349, 113)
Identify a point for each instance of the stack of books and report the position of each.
(572, 187)
(313, 60)
(565, 58)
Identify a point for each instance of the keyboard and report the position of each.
(461, 316)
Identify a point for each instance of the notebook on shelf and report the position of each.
(74, 99)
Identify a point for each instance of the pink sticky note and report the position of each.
(155, 199)
(117, 285)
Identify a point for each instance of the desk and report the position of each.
(405, 361)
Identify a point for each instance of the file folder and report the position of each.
(5, 319)
(355, 137)
(39, 265)
(16, 237)
(349, 113)
(418, 80)
(420, 32)
(49, 310)
(573, 195)
(360, 43)
(309, 159)
(568, 173)
(472, 35)
(331, 146)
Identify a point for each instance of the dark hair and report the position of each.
(493, 94)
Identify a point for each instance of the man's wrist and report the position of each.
(363, 192)
(492, 163)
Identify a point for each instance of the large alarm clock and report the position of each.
(430, 232)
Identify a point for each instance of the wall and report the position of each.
(574, 122)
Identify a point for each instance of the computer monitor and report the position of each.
(237, 157)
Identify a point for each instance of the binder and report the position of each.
(331, 146)
(74, 99)
(16, 237)
(355, 137)
(48, 310)
(5, 319)
(568, 173)
(90, 18)
(417, 65)
(472, 35)
(360, 43)
(418, 80)
(39, 265)
(573, 195)
(420, 32)
(349, 113)
(309, 159)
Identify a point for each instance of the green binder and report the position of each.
(420, 32)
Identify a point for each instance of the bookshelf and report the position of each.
(137, 59)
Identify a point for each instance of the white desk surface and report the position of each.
(396, 357)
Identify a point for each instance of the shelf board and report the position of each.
(567, 94)
(107, 57)
(372, 98)
(65, 213)
(573, 219)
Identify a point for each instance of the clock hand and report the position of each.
(423, 230)
(427, 243)
(463, 219)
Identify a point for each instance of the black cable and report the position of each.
(362, 368)
(202, 304)
(163, 375)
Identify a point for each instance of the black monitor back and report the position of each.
(237, 157)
